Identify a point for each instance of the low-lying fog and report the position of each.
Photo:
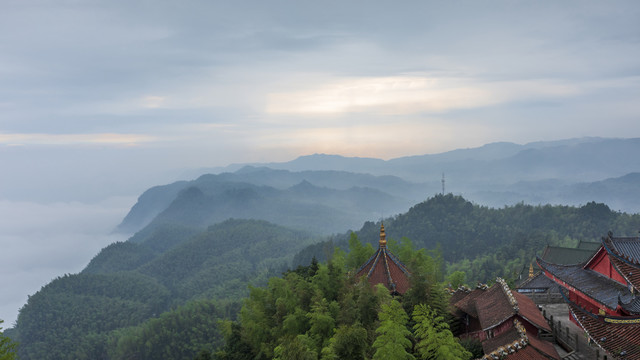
(43, 241)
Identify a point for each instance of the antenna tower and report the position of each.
(442, 183)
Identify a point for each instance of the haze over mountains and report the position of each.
(324, 194)
(329, 193)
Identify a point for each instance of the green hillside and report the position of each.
(85, 316)
(138, 299)
(486, 242)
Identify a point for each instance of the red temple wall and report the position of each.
(601, 263)
(591, 305)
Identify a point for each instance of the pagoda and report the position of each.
(508, 324)
(601, 294)
(385, 268)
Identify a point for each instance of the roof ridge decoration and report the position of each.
(507, 292)
(393, 273)
(383, 236)
(511, 348)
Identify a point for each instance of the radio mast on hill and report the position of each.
(442, 183)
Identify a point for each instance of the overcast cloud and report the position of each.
(107, 98)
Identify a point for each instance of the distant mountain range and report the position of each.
(327, 194)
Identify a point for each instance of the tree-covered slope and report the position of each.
(500, 241)
(82, 316)
(126, 285)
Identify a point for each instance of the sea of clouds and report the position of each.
(40, 242)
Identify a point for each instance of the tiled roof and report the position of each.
(589, 282)
(632, 306)
(459, 294)
(384, 268)
(627, 247)
(508, 337)
(528, 353)
(621, 340)
(515, 344)
(493, 307)
(544, 347)
(539, 281)
(498, 303)
(529, 310)
(566, 256)
(589, 245)
(468, 303)
(624, 262)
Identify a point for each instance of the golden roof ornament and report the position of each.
(383, 236)
(530, 270)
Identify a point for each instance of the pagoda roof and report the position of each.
(385, 268)
(589, 282)
(618, 335)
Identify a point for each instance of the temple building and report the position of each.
(508, 324)
(385, 268)
(539, 287)
(601, 294)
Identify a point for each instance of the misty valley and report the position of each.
(260, 261)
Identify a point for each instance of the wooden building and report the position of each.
(601, 294)
(508, 324)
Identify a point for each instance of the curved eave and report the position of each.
(610, 247)
(611, 333)
(570, 285)
(632, 307)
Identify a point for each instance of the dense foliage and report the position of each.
(136, 298)
(323, 312)
(114, 307)
(485, 242)
(7, 346)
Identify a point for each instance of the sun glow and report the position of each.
(406, 95)
(74, 139)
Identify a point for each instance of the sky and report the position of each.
(100, 100)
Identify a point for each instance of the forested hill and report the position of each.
(486, 242)
(103, 312)
(161, 294)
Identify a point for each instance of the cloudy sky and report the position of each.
(100, 100)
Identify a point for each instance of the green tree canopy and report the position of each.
(392, 342)
(7, 346)
(435, 340)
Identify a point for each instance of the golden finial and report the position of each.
(530, 270)
(383, 236)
